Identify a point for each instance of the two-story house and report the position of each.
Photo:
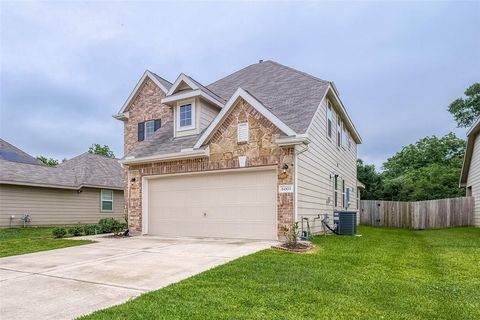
(261, 148)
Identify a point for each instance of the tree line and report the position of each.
(427, 169)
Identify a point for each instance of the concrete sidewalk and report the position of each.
(70, 282)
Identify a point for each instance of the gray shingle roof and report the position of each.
(9, 152)
(84, 170)
(208, 91)
(293, 96)
(166, 83)
(163, 142)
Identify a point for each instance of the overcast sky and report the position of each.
(67, 67)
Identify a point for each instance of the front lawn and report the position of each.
(17, 241)
(385, 274)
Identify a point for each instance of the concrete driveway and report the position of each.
(70, 282)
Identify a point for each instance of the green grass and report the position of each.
(17, 241)
(385, 274)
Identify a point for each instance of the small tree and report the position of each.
(101, 151)
(48, 161)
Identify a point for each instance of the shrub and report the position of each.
(118, 227)
(90, 229)
(59, 232)
(291, 234)
(76, 231)
(106, 225)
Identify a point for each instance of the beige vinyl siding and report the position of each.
(52, 206)
(207, 114)
(474, 179)
(316, 168)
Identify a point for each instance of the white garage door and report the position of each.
(239, 204)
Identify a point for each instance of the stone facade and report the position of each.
(260, 150)
(145, 106)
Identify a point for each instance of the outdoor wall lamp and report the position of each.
(285, 167)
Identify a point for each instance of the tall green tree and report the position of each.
(446, 151)
(48, 161)
(427, 169)
(467, 110)
(372, 180)
(101, 150)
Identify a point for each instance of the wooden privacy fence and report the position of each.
(443, 213)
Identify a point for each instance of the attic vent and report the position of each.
(242, 132)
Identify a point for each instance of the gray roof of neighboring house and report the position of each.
(85, 170)
(293, 96)
(9, 152)
(163, 142)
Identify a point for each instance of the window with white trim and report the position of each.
(329, 120)
(106, 199)
(242, 132)
(186, 115)
(335, 192)
(347, 198)
(149, 128)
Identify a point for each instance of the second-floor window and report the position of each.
(339, 132)
(185, 116)
(147, 128)
(344, 135)
(329, 120)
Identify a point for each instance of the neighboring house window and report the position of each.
(107, 200)
(344, 195)
(147, 128)
(242, 132)
(349, 138)
(185, 116)
(329, 120)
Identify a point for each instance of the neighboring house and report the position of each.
(239, 158)
(470, 177)
(81, 190)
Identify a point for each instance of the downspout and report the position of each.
(295, 187)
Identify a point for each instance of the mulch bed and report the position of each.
(116, 236)
(300, 247)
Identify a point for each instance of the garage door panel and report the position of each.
(231, 205)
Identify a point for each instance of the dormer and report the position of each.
(194, 106)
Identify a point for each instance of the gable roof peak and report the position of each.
(163, 84)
